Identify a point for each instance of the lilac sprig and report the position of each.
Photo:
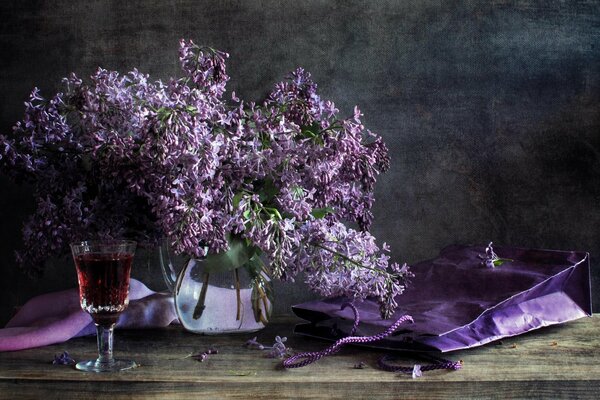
(491, 259)
(277, 350)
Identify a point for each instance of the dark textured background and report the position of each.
(491, 109)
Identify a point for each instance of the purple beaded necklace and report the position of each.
(303, 359)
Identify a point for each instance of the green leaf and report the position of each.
(254, 266)
(86, 162)
(267, 191)
(319, 213)
(265, 140)
(297, 193)
(273, 212)
(237, 198)
(164, 113)
(311, 131)
(499, 261)
(237, 255)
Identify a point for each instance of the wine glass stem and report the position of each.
(105, 343)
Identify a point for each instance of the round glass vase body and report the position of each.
(214, 301)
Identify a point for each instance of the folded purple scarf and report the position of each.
(57, 317)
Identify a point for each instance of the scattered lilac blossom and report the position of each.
(63, 359)
(122, 156)
(416, 371)
(277, 350)
(360, 365)
(204, 355)
(253, 344)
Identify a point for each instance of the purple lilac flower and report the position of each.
(204, 355)
(278, 350)
(416, 372)
(119, 155)
(253, 344)
(63, 359)
(491, 259)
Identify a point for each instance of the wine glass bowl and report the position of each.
(103, 273)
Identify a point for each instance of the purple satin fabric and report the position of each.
(57, 317)
(456, 303)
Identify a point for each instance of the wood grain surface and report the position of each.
(554, 362)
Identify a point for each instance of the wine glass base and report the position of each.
(96, 366)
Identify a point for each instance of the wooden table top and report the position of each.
(559, 361)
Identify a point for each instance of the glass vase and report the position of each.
(170, 264)
(213, 302)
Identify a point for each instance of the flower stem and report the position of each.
(345, 257)
(199, 309)
(236, 275)
(263, 297)
(256, 309)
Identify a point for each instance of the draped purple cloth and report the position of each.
(457, 303)
(57, 317)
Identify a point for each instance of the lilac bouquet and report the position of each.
(122, 156)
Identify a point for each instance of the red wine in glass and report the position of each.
(103, 270)
(104, 284)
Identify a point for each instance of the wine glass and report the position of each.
(103, 270)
